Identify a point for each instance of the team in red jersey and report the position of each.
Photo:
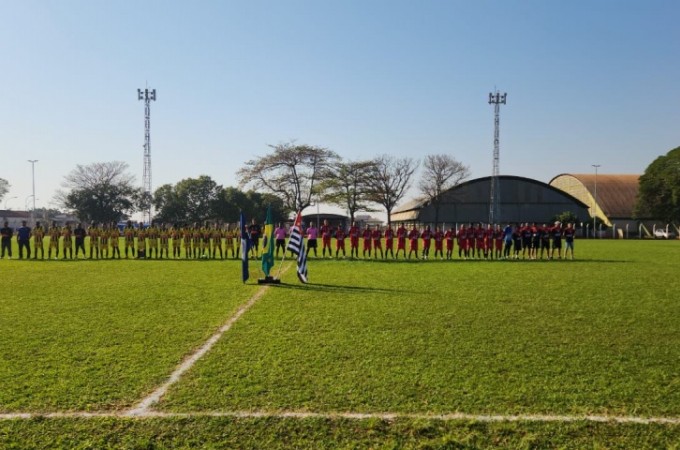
(389, 241)
(401, 240)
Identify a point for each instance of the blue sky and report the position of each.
(588, 82)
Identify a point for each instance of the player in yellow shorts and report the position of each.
(187, 237)
(152, 233)
(38, 233)
(54, 233)
(216, 241)
(141, 242)
(229, 238)
(104, 237)
(114, 238)
(196, 239)
(95, 236)
(176, 235)
(164, 237)
(129, 233)
(67, 241)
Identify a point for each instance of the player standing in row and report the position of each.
(367, 236)
(401, 240)
(67, 241)
(95, 239)
(38, 234)
(389, 241)
(54, 233)
(448, 239)
(325, 231)
(280, 236)
(312, 234)
(376, 237)
(354, 240)
(24, 239)
(427, 240)
(413, 236)
(438, 238)
(340, 241)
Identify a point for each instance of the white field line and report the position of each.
(142, 407)
(300, 415)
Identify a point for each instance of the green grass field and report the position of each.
(596, 336)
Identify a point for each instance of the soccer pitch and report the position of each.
(369, 354)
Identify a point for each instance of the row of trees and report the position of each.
(292, 176)
(289, 178)
(299, 174)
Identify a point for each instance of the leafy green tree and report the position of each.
(291, 172)
(190, 200)
(253, 204)
(659, 194)
(100, 192)
(566, 217)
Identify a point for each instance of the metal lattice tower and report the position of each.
(497, 99)
(148, 96)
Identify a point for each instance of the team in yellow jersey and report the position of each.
(206, 240)
(38, 234)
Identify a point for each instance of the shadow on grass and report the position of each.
(335, 288)
(477, 261)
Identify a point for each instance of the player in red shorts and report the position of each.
(427, 240)
(498, 242)
(438, 237)
(367, 235)
(413, 236)
(340, 241)
(448, 239)
(488, 242)
(470, 241)
(354, 240)
(389, 241)
(479, 240)
(401, 239)
(460, 237)
(325, 231)
(377, 242)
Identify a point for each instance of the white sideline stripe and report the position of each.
(143, 406)
(148, 414)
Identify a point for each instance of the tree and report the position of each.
(190, 200)
(253, 204)
(346, 185)
(440, 173)
(4, 188)
(100, 192)
(292, 173)
(565, 217)
(390, 179)
(659, 194)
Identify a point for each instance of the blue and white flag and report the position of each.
(296, 246)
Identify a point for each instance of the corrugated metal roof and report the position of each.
(616, 194)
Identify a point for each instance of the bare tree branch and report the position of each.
(440, 173)
(390, 179)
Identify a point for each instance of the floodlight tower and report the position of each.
(147, 96)
(497, 99)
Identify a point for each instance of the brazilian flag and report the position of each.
(268, 244)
